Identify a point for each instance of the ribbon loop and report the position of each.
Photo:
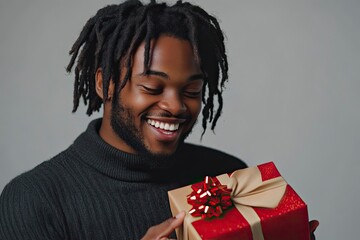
(248, 188)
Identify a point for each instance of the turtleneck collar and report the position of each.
(95, 152)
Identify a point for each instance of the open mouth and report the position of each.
(171, 127)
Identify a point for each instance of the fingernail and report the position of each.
(179, 214)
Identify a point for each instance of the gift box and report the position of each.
(254, 203)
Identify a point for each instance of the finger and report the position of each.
(313, 225)
(167, 227)
(164, 229)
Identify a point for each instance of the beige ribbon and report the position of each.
(248, 191)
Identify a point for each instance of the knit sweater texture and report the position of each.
(95, 191)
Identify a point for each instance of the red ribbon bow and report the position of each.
(209, 199)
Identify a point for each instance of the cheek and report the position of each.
(136, 101)
(194, 107)
(141, 102)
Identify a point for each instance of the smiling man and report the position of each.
(152, 69)
(158, 107)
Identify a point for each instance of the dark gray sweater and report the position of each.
(94, 191)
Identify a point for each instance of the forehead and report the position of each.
(168, 54)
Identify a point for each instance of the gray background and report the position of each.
(292, 97)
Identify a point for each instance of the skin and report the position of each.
(170, 92)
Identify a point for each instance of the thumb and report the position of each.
(164, 229)
(171, 224)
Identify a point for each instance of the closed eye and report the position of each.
(152, 91)
(192, 94)
(193, 89)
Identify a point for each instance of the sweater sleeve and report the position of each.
(26, 214)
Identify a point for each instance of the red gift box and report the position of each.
(265, 207)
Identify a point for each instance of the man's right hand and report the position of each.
(163, 230)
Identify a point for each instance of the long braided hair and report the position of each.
(116, 31)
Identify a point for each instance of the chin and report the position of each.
(163, 151)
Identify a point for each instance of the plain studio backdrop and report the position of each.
(292, 96)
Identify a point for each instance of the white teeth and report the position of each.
(163, 125)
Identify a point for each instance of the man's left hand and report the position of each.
(313, 225)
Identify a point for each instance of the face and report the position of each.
(156, 110)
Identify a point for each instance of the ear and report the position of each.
(99, 86)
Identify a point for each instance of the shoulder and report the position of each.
(194, 149)
(26, 207)
(37, 181)
(43, 174)
(214, 161)
(45, 178)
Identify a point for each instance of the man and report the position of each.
(151, 67)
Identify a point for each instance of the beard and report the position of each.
(122, 121)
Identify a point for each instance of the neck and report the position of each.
(110, 137)
(94, 151)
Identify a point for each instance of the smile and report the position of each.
(163, 125)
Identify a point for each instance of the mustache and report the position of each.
(167, 115)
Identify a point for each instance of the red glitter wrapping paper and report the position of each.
(287, 221)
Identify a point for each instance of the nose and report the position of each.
(172, 103)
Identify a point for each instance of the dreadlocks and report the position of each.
(116, 31)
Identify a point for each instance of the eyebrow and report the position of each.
(164, 75)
